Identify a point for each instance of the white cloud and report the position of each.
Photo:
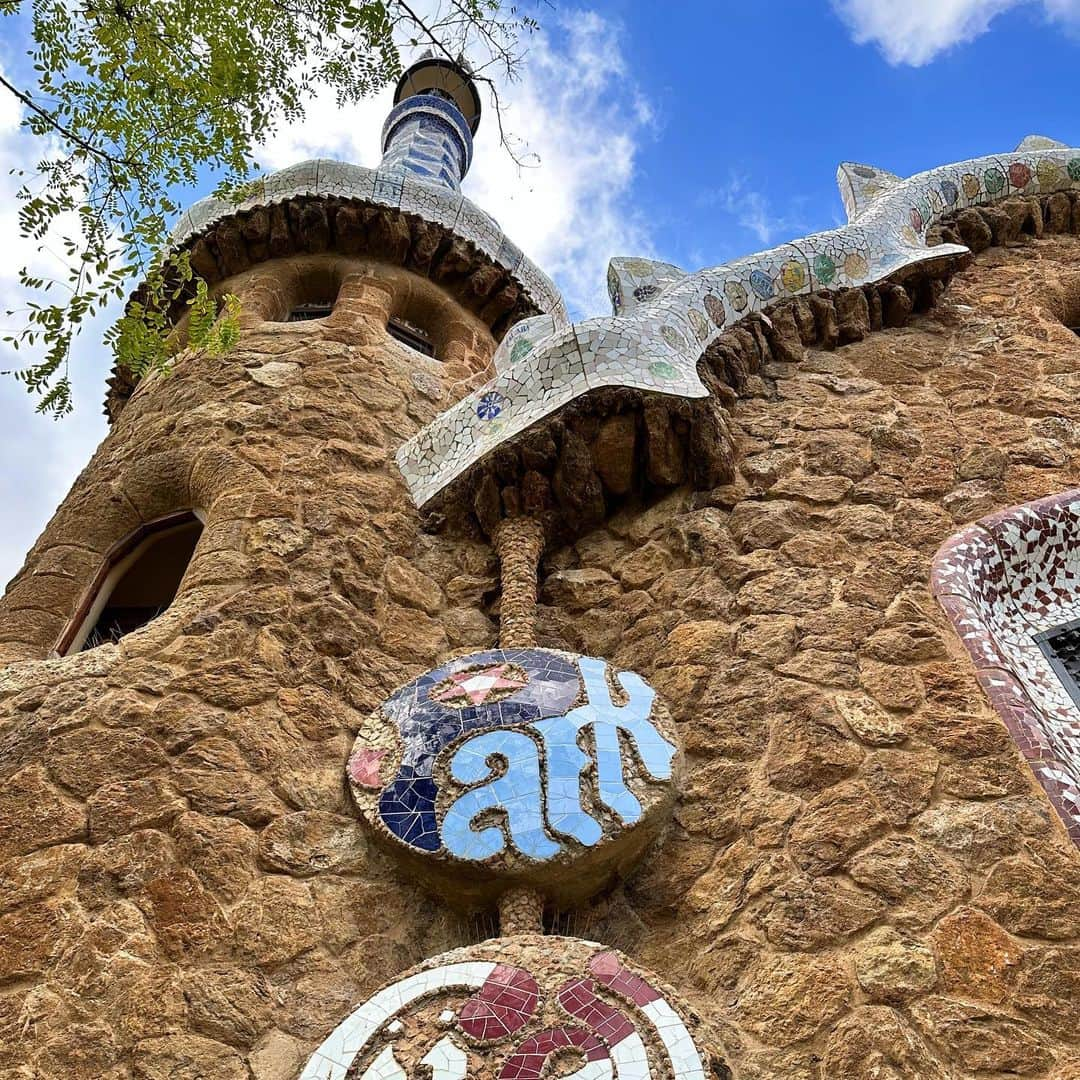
(574, 104)
(916, 31)
(751, 210)
(40, 457)
(574, 113)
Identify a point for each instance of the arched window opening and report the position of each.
(411, 335)
(136, 583)
(307, 312)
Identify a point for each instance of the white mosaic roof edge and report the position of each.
(391, 188)
(665, 319)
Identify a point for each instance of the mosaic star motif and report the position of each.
(476, 687)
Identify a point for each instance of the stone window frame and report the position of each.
(1003, 581)
(114, 565)
(362, 287)
(108, 505)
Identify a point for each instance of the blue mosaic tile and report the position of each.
(519, 743)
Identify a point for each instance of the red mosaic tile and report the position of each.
(609, 972)
(502, 1006)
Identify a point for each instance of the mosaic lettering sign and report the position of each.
(509, 760)
(516, 1009)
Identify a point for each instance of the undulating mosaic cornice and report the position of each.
(390, 187)
(664, 319)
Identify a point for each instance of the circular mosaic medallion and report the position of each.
(697, 321)
(994, 179)
(1019, 174)
(793, 276)
(521, 1008)
(524, 766)
(1049, 174)
(824, 268)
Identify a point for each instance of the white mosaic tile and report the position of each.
(664, 319)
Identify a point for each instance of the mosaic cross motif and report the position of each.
(468, 1014)
(478, 686)
(523, 754)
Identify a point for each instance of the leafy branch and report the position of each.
(135, 101)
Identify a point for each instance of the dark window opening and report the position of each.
(305, 312)
(137, 583)
(1061, 646)
(410, 335)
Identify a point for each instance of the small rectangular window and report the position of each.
(304, 312)
(410, 335)
(1061, 646)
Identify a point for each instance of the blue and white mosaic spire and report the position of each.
(427, 134)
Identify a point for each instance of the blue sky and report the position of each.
(693, 131)
(757, 103)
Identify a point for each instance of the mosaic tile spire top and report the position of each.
(428, 134)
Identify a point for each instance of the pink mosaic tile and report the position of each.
(1005, 582)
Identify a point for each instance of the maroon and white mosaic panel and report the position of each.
(1003, 581)
(517, 1009)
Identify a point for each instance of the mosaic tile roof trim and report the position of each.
(398, 188)
(421, 770)
(1003, 582)
(509, 1009)
(664, 318)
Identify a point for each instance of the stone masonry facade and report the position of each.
(862, 879)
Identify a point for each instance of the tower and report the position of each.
(301, 777)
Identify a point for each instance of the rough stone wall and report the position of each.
(185, 890)
(861, 880)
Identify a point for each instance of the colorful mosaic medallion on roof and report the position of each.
(524, 754)
(517, 1009)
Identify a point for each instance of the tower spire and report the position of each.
(429, 131)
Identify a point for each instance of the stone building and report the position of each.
(431, 685)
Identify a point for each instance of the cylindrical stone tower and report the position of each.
(190, 867)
